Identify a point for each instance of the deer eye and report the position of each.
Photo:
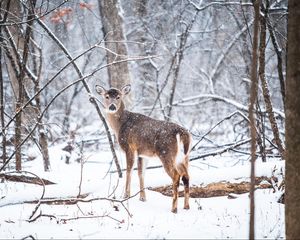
(118, 97)
(107, 97)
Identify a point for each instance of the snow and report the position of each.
(208, 218)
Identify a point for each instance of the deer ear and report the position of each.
(126, 89)
(100, 90)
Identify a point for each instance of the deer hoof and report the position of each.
(174, 210)
(187, 207)
(143, 199)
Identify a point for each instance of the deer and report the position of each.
(142, 138)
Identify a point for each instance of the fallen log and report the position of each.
(217, 189)
(25, 179)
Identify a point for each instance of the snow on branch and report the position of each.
(219, 3)
(215, 97)
(222, 150)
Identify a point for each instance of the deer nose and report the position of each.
(112, 108)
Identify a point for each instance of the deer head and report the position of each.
(113, 98)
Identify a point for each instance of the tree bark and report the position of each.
(61, 31)
(265, 88)
(2, 107)
(145, 71)
(278, 54)
(253, 99)
(17, 53)
(14, 71)
(43, 141)
(292, 208)
(20, 98)
(114, 42)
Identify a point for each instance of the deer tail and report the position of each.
(183, 149)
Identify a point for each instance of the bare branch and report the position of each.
(224, 53)
(5, 23)
(214, 97)
(219, 3)
(64, 220)
(220, 151)
(217, 124)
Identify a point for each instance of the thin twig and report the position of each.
(217, 124)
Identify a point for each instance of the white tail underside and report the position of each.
(180, 151)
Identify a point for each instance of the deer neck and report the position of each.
(114, 119)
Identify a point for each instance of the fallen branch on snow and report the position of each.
(81, 198)
(25, 179)
(216, 189)
(64, 220)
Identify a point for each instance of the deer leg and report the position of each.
(183, 171)
(176, 178)
(141, 173)
(186, 179)
(129, 163)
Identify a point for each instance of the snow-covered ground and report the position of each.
(208, 218)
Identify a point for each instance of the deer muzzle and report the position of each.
(112, 108)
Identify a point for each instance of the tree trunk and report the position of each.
(265, 88)
(292, 208)
(14, 72)
(279, 56)
(17, 51)
(42, 136)
(145, 72)
(253, 99)
(114, 42)
(60, 28)
(2, 107)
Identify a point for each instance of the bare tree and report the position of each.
(42, 133)
(112, 27)
(2, 94)
(265, 87)
(18, 46)
(292, 209)
(177, 60)
(142, 44)
(253, 99)
(278, 50)
(18, 64)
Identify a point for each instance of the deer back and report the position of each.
(150, 137)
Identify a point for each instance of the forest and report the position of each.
(227, 71)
